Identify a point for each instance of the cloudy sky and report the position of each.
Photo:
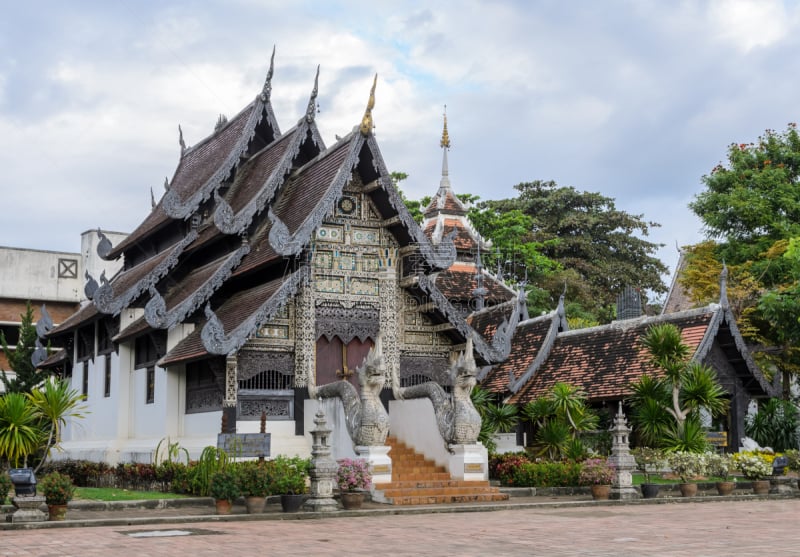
(633, 99)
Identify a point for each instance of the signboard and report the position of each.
(717, 438)
(473, 467)
(244, 444)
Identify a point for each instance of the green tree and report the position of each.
(751, 207)
(55, 402)
(599, 248)
(687, 386)
(19, 358)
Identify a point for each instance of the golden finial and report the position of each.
(445, 142)
(366, 121)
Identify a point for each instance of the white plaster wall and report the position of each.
(340, 440)
(149, 420)
(33, 274)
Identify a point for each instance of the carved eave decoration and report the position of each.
(230, 223)
(260, 109)
(107, 301)
(723, 314)
(155, 312)
(558, 323)
(218, 341)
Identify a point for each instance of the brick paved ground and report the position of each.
(741, 528)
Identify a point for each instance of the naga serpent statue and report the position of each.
(366, 418)
(458, 421)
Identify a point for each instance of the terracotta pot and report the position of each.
(649, 491)
(223, 506)
(688, 489)
(761, 487)
(255, 504)
(291, 503)
(57, 512)
(600, 492)
(725, 488)
(352, 499)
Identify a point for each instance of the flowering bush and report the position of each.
(754, 466)
(57, 488)
(687, 465)
(596, 471)
(719, 465)
(503, 467)
(766, 455)
(353, 474)
(793, 455)
(648, 461)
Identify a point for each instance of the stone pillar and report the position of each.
(229, 402)
(323, 468)
(622, 460)
(469, 463)
(28, 509)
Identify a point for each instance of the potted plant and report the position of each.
(687, 466)
(289, 479)
(648, 461)
(720, 465)
(598, 475)
(353, 477)
(254, 485)
(5, 486)
(58, 490)
(755, 468)
(224, 488)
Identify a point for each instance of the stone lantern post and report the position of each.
(622, 460)
(323, 468)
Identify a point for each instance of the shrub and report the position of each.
(57, 488)
(288, 474)
(648, 461)
(793, 456)
(5, 486)
(546, 474)
(502, 466)
(224, 485)
(254, 479)
(719, 465)
(353, 474)
(596, 471)
(687, 465)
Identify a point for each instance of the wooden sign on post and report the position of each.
(244, 444)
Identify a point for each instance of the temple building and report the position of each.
(271, 265)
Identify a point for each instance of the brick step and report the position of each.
(440, 499)
(408, 477)
(436, 484)
(437, 491)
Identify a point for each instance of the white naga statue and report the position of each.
(366, 418)
(458, 421)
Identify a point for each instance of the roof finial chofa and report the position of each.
(180, 140)
(366, 121)
(311, 111)
(266, 92)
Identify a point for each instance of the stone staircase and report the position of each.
(418, 481)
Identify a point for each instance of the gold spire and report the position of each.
(445, 142)
(366, 121)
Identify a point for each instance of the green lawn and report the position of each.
(638, 479)
(112, 494)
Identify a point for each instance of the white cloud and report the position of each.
(748, 24)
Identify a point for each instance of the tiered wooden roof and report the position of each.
(224, 247)
(605, 360)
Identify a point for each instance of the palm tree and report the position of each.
(20, 434)
(686, 387)
(54, 402)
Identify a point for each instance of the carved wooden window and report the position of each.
(202, 391)
(150, 385)
(414, 379)
(149, 348)
(85, 379)
(268, 380)
(107, 376)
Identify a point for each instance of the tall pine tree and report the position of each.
(19, 358)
